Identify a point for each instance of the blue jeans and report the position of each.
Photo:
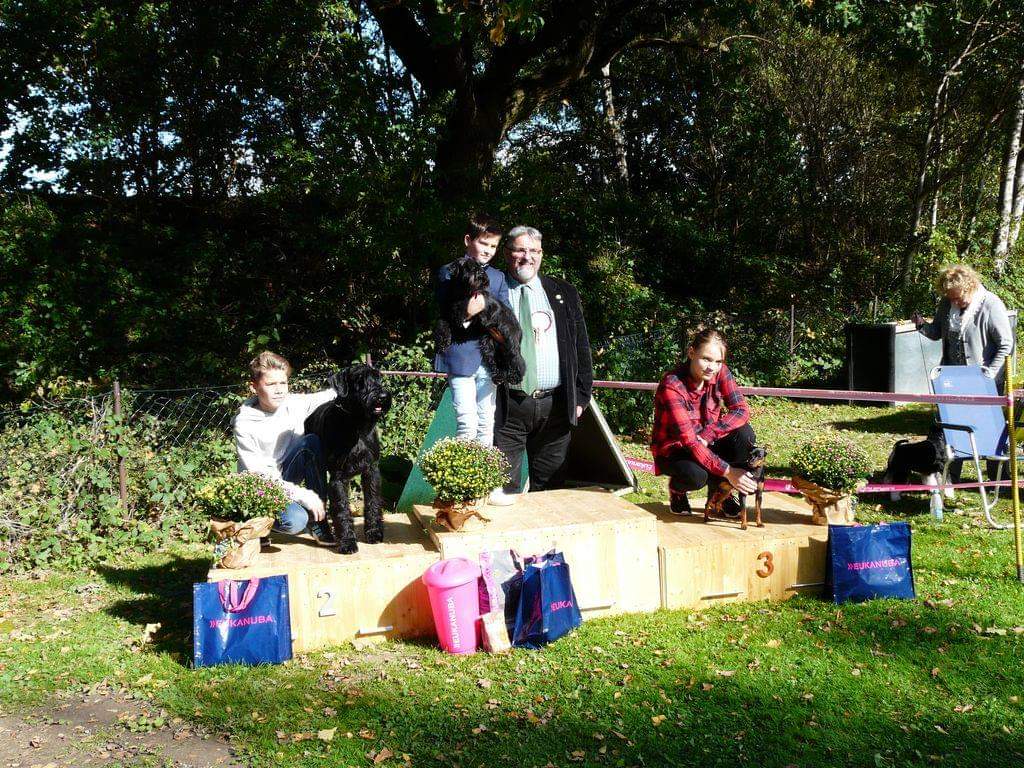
(302, 465)
(474, 401)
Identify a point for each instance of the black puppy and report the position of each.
(347, 428)
(499, 344)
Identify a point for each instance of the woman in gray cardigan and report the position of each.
(972, 323)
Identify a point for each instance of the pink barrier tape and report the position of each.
(805, 394)
(784, 486)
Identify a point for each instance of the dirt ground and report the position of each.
(105, 729)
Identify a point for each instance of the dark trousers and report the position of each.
(539, 426)
(687, 475)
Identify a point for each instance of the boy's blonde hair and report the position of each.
(267, 361)
(958, 277)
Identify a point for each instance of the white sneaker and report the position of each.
(499, 498)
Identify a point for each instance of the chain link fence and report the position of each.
(128, 460)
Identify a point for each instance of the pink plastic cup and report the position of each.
(454, 600)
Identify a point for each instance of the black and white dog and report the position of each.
(347, 428)
(499, 345)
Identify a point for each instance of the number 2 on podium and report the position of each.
(327, 607)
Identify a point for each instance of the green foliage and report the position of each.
(60, 502)
(241, 496)
(463, 470)
(403, 428)
(833, 461)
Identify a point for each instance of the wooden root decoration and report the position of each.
(454, 516)
(827, 506)
(244, 539)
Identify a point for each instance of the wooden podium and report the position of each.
(623, 559)
(707, 563)
(611, 545)
(374, 593)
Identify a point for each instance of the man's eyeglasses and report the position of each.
(524, 251)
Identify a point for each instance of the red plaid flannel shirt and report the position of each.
(682, 414)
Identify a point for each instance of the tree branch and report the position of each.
(438, 68)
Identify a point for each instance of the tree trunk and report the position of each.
(1017, 209)
(1007, 180)
(968, 232)
(920, 194)
(467, 145)
(934, 122)
(937, 169)
(615, 126)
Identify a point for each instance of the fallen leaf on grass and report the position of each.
(963, 708)
(706, 686)
(484, 682)
(381, 756)
(995, 631)
(774, 643)
(658, 720)
(935, 671)
(327, 734)
(725, 672)
(855, 672)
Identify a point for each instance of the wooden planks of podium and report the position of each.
(624, 559)
(611, 545)
(374, 593)
(706, 563)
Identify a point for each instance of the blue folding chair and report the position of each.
(972, 432)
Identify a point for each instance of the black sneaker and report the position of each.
(321, 532)
(679, 503)
(732, 506)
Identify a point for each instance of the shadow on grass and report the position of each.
(845, 698)
(898, 421)
(164, 596)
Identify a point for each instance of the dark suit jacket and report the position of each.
(574, 362)
(462, 358)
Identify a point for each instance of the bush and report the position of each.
(241, 496)
(832, 461)
(402, 430)
(59, 500)
(463, 470)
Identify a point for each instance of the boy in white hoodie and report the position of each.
(270, 439)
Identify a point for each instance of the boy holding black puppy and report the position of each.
(473, 391)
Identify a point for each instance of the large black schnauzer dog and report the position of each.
(347, 428)
(499, 346)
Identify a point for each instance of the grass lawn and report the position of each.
(936, 680)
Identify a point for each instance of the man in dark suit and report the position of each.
(537, 415)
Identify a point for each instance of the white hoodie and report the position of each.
(263, 439)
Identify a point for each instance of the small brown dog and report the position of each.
(716, 498)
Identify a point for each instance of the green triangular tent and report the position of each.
(594, 457)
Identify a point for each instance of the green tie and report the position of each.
(528, 345)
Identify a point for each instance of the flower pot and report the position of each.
(454, 514)
(828, 507)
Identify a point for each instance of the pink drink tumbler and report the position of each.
(454, 600)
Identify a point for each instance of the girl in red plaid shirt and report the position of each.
(701, 426)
